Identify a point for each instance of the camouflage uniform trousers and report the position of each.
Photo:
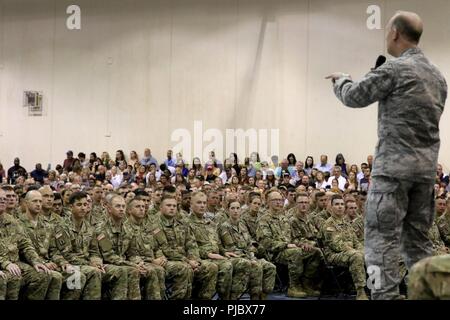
(54, 286)
(115, 282)
(35, 284)
(9, 286)
(262, 277)
(354, 261)
(294, 259)
(154, 282)
(88, 287)
(241, 276)
(225, 277)
(204, 281)
(399, 214)
(180, 274)
(429, 279)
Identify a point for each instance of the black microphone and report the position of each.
(380, 61)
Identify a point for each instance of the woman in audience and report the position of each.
(120, 157)
(235, 163)
(292, 161)
(134, 158)
(197, 165)
(191, 176)
(320, 180)
(243, 177)
(106, 159)
(340, 161)
(352, 182)
(309, 165)
(271, 180)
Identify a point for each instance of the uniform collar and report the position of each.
(411, 51)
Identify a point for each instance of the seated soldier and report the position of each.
(177, 243)
(232, 276)
(274, 234)
(443, 221)
(237, 242)
(320, 214)
(342, 247)
(9, 283)
(47, 206)
(428, 279)
(153, 259)
(117, 244)
(33, 274)
(75, 245)
(40, 231)
(356, 220)
(304, 235)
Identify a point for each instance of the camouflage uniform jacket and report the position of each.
(16, 243)
(175, 239)
(411, 92)
(117, 244)
(77, 247)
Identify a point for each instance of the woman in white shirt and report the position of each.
(320, 180)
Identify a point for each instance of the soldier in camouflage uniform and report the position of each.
(152, 212)
(439, 247)
(400, 207)
(75, 245)
(9, 283)
(117, 244)
(236, 242)
(250, 216)
(33, 274)
(429, 279)
(342, 247)
(12, 204)
(320, 214)
(232, 277)
(98, 213)
(154, 288)
(213, 205)
(274, 235)
(355, 219)
(304, 235)
(222, 214)
(178, 244)
(40, 231)
(443, 223)
(179, 273)
(47, 206)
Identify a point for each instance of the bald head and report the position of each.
(404, 32)
(33, 202)
(409, 25)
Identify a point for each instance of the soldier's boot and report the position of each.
(308, 287)
(296, 292)
(255, 296)
(361, 294)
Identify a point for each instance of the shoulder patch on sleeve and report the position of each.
(156, 231)
(331, 229)
(58, 235)
(100, 237)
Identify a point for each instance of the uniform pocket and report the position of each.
(382, 208)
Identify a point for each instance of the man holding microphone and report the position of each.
(400, 206)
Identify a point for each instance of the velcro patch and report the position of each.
(100, 237)
(156, 231)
